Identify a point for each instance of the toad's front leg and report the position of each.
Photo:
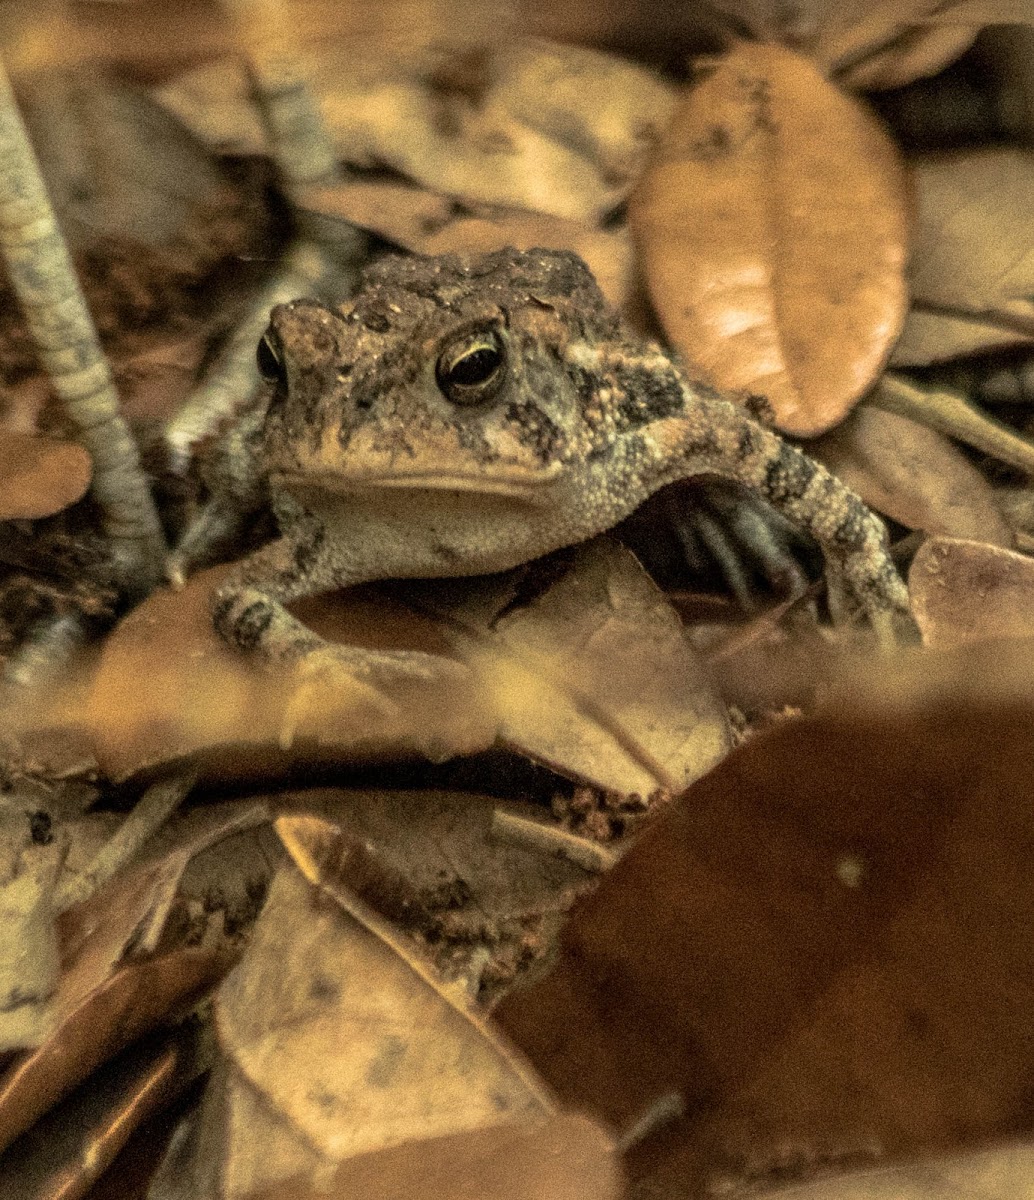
(249, 612)
(717, 437)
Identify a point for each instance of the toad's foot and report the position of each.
(373, 694)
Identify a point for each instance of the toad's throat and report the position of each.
(519, 484)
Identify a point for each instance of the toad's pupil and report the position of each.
(475, 367)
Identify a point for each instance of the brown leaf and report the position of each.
(566, 1158)
(913, 474)
(966, 591)
(821, 947)
(430, 862)
(974, 248)
(386, 116)
(930, 336)
(590, 671)
(1001, 1173)
(887, 43)
(338, 1039)
(920, 51)
(133, 1000)
(40, 476)
(167, 686)
(67, 1151)
(772, 225)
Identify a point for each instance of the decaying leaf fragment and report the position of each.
(39, 476)
(589, 668)
(103, 1000)
(338, 1041)
(772, 224)
(965, 591)
(913, 474)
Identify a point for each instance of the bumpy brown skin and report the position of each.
(375, 473)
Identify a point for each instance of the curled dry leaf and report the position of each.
(429, 861)
(822, 945)
(67, 1151)
(913, 474)
(167, 686)
(338, 1040)
(974, 246)
(590, 670)
(773, 229)
(575, 156)
(40, 476)
(427, 223)
(965, 591)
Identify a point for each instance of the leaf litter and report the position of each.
(834, 885)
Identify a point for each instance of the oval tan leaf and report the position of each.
(773, 228)
(968, 591)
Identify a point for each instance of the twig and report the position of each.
(951, 414)
(153, 810)
(41, 273)
(547, 839)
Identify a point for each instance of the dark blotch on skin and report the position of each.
(788, 475)
(647, 395)
(251, 624)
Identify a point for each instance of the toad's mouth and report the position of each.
(519, 484)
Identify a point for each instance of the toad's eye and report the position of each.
(270, 360)
(472, 369)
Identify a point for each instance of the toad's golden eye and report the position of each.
(472, 369)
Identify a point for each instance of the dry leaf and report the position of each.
(1001, 1173)
(338, 1041)
(772, 225)
(67, 1151)
(913, 474)
(920, 51)
(966, 591)
(40, 476)
(426, 223)
(932, 337)
(608, 109)
(590, 670)
(974, 247)
(502, 148)
(167, 686)
(430, 862)
(879, 45)
(566, 1158)
(822, 948)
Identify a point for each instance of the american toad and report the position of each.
(462, 415)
